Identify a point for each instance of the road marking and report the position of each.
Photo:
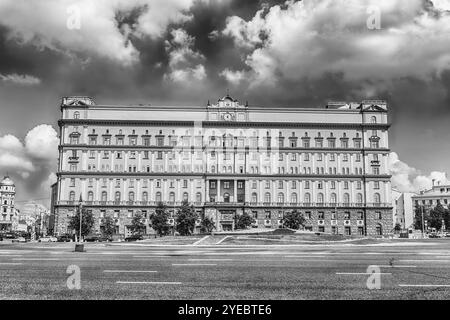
(199, 241)
(36, 259)
(10, 263)
(146, 282)
(153, 256)
(397, 266)
(212, 259)
(194, 264)
(360, 273)
(425, 260)
(425, 285)
(315, 256)
(130, 271)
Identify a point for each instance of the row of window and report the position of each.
(226, 141)
(240, 184)
(347, 215)
(320, 198)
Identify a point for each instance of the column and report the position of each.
(219, 197)
(235, 191)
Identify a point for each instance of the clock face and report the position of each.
(227, 116)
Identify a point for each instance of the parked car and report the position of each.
(48, 239)
(97, 238)
(134, 237)
(20, 239)
(10, 235)
(64, 238)
(1, 237)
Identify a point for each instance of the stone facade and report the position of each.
(227, 158)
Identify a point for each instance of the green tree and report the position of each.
(137, 226)
(185, 220)
(207, 225)
(108, 226)
(294, 220)
(244, 221)
(398, 227)
(87, 222)
(158, 220)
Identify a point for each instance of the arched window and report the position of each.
(280, 197)
(90, 196)
(267, 197)
(213, 169)
(224, 169)
(230, 169)
(373, 119)
(346, 198)
(104, 196)
(254, 197)
(76, 115)
(198, 197)
(377, 198)
(145, 196)
(307, 198)
(333, 198)
(172, 197)
(359, 198)
(158, 197)
(320, 198)
(294, 198)
(72, 196)
(131, 196)
(117, 196)
(226, 197)
(379, 230)
(185, 196)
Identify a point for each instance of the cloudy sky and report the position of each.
(271, 53)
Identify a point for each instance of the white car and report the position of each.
(48, 239)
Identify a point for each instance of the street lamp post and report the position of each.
(79, 246)
(423, 225)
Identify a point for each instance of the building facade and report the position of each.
(429, 199)
(9, 213)
(403, 208)
(227, 158)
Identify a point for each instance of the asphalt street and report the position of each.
(401, 269)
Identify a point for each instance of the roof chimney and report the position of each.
(433, 181)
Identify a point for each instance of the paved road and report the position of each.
(407, 270)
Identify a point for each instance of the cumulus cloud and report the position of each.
(184, 62)
(29, 161)
(408, 179)
(41, 142)
(91, 27)
(307, 39)
(19, 79)
(234, 77)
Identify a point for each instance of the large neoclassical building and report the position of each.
(227, 158)
(8, 214)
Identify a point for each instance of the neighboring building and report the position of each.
(428, 199)
(403, 212)
(226, 159)
(9, 213)
(53, 201)
(36, 217)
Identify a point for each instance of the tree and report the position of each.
(158, 220)
(294, 220)
(108, 226)
(398, 227)
(418, 217)
(87, 222)
(207, 225)
(244, 221)
(186, 217)
(137, 224)
(436, 216)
